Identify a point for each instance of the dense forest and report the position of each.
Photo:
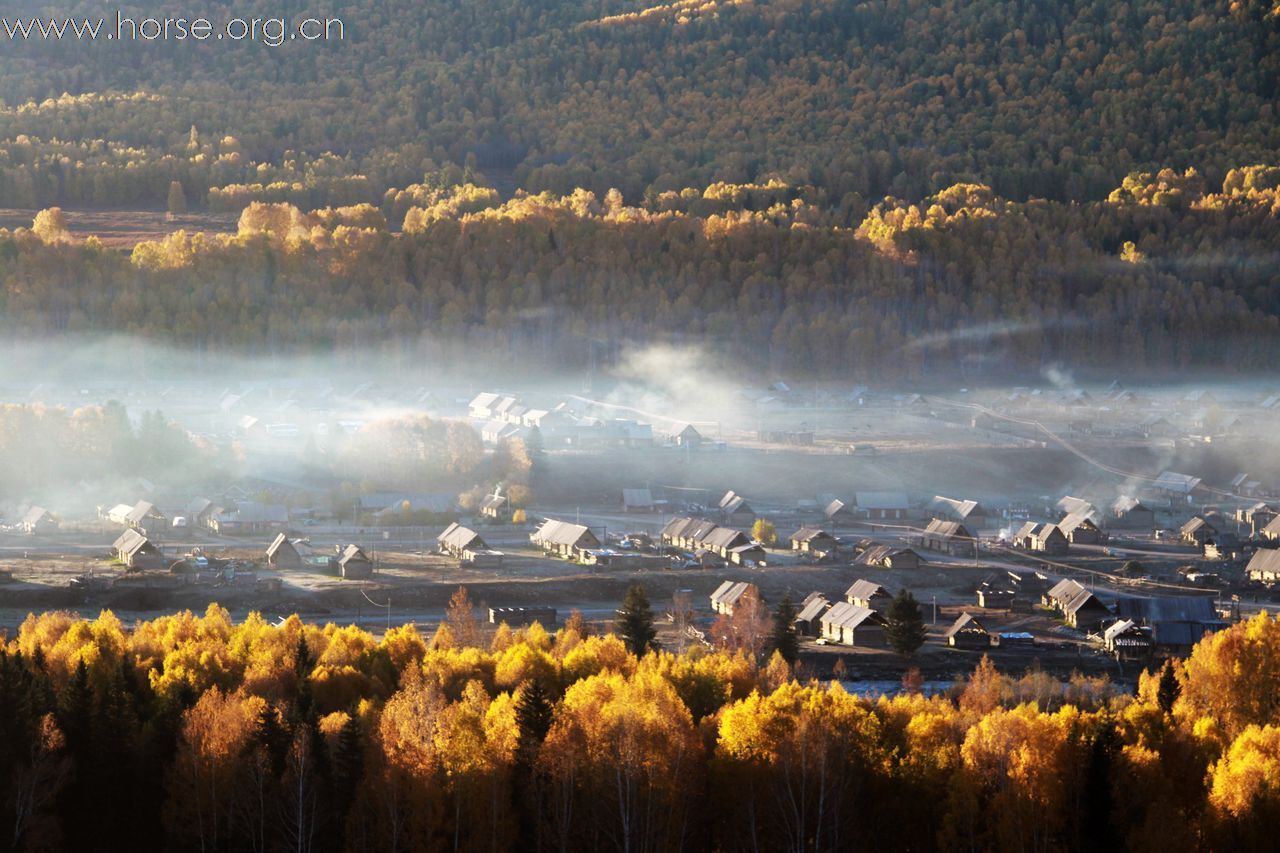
(192, 732)
(1058, 100)
(1167, 273)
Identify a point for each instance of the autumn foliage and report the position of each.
(193, 732)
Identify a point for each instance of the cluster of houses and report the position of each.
(710, 543)
(1135, 628)
(240, 517)
(504, 416)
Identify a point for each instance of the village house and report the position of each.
(1085, 612)
(1264, 566)
(1044, 538)
(698, 535)
(734, 509)
(466, 546)
(1175, 486)
(1061, 592)
(685, 435)
(730, 594)
(995, 598)
(1081, 530)
(1257, 516)
(495, 506)
(852, 625)
(967, 633)
(1197, 530)
(353, 563)
(869, 594)
(811, 609)
(145, 517)
(814, 541)
(637, 500)
(1176, 622)
(1271, 531)
(838, 512)
(888, 557)
(137, 551)
(1128, 513)
(281, 554)
(564, 539)
(1128, 641)
(949, 537)
(968, 512)
(250, 517)
(1069, 504)
(883, 506)
(39, 520)
(198, 512)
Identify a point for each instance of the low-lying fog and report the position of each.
(79, 430)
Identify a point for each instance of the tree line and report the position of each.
(190, 731)
(1169, 272)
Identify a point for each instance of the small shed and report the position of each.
(281, 554)
(807, 620)
(353, 563)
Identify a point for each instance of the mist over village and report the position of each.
(733, 425)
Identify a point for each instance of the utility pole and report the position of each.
(935, 610)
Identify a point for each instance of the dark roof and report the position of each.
(1185, 608)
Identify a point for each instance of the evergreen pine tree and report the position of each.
(784, 640)
(635, 622)
(534, 714)
(904, 624)
(1169, 689)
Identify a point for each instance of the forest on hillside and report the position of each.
(194, 732)
(1056, 100)
(887, 190)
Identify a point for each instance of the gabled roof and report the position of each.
(281, 541)
(813, 608)
(132, 542)
(729, 592)
(1072, 505)
(865, 590)
(957, 509)
(1273, 527)
(835, 507)
(1080, 600)
(845, 615)
(733, 503)
(726, 538)
(460, 538)
(1074, 521)
(948, 529)
(1064, 590)
(555, 532)
(1265, 560)
(34, 515)
(966, 624)
(808, 534)
(141, 511)
(493, 502)
(1197, 522)
(353, 552)
(1126, 503)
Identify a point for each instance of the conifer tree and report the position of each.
(635, 622)
(904, 624)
